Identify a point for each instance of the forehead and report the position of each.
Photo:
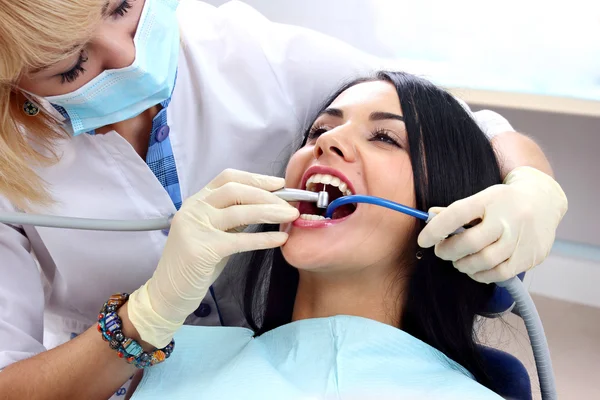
(377, 95)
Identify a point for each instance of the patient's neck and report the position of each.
(360, 293)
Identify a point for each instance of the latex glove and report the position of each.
(199, 246)
(518, 227)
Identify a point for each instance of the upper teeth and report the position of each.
(311, 183)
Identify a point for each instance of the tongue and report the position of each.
(343, 211)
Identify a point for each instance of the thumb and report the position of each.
(436, 210)
(425, 239)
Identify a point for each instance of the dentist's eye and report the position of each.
(74, 72)
(316, 131)
(122, 9)
(382, 135)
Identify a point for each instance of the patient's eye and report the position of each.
(382, 135)
(317, 131)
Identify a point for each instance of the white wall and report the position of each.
(475, 41)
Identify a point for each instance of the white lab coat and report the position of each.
(246, 87)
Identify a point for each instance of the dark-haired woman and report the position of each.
(349, 307)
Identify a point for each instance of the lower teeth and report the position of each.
(311, 217)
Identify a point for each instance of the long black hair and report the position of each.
(451, 159)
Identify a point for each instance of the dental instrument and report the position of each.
(153, 224)
(523, 302)
(321, 198)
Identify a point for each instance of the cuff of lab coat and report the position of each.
(492, 123)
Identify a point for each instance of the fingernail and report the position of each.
(292, 212)
(276, 180)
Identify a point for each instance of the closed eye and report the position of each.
(122, 9)
(74, 72)
(316, 131)
(382, 135)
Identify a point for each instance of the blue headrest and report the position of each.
(501, 301)
(509, 375)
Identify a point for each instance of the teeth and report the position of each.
(311, 217)
(327, 179)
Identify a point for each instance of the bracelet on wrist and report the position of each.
(110, 326)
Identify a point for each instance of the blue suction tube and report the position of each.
(376, 201)
(514, 286)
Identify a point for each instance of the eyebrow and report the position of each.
(334, 112)
(375, 116)
(379, 116)
(105, 13)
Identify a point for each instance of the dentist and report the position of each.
(124, 109)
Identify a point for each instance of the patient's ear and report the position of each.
(135, 381)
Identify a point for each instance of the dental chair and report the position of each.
(506, 371)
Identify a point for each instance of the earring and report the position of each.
(419, 255)
(30, 109)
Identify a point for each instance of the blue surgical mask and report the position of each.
(120, 94)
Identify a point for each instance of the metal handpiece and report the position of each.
(320, 198)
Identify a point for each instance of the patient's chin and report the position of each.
(306, 253)
(302, 255)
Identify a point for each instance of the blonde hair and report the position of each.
(34, 35)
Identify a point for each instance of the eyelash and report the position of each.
(74, 72)
(381, 135)
(122, 9)
(316, 131)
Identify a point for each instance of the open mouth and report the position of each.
(336, 188)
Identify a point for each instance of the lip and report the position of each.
(322, 223)
(320, 169)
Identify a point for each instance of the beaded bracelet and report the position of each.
(110, 326)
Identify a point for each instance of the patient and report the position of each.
(350, 307)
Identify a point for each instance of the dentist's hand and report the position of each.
(516, 232)
(202, 237)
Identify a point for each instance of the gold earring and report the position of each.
(30, 109)
(419, 255)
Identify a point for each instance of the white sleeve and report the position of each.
(308, 66)
(21, 298)
(492, 123)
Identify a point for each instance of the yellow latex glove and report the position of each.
(201, 239)
(518, 227)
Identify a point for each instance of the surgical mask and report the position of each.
(120, 94)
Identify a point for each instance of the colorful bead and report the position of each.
(158, 356)
(126, 342)
(119, 337)
(114, 344)
(112, 322)
(133, 348)
(120, 354)
(117, 300)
